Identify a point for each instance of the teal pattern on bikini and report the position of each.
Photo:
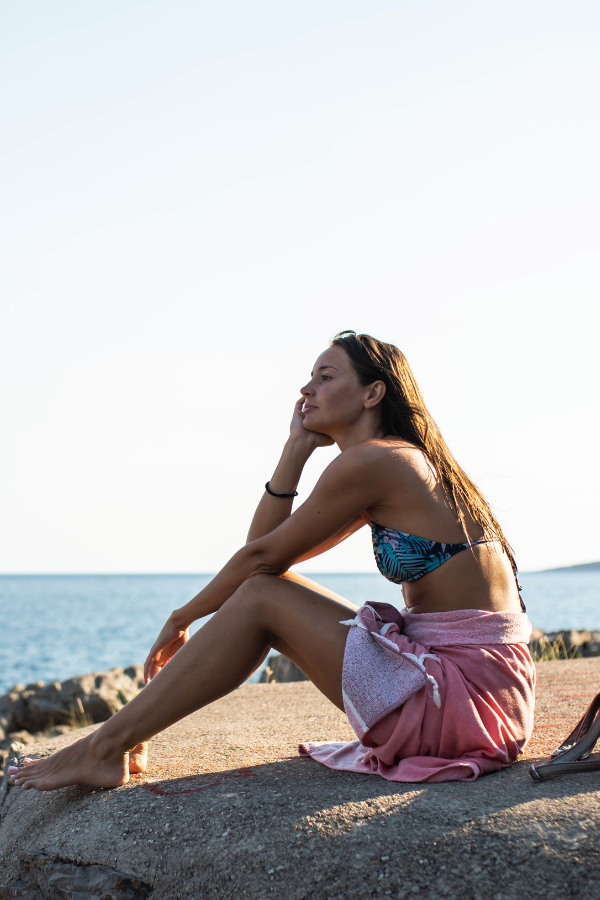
(402, 557)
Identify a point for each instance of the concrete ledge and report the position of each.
(228, 810)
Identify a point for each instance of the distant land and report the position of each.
(584, 567)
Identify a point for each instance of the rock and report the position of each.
(564, 644)
(280, 669)
(250, 820)
(571, 638)
(21, 737)
(42, 876)
(592, 648)
(74, 703)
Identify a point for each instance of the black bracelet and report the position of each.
(273, 494)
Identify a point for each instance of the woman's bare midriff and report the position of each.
(477, 578)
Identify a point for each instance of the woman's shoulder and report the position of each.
(375, 469)
(381, 451)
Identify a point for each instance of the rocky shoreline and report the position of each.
(564, 644)
(39, 711)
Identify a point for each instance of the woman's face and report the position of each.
(334, 398)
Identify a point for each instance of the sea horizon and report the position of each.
(589, 566)
(92, 622)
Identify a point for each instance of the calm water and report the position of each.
(57, 626)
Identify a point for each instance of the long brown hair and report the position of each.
(404, 414)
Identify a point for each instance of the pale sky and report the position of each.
(197, 196)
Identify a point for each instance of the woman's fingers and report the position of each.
(151, 669)
(152, 665)
(147, 671)
(155, 663)
(162, 651)
(149, 666)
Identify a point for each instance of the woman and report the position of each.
(442, 691)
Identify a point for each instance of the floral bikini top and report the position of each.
(404, 557)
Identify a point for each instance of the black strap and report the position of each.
(273, 494)
(519, 587)
(573, 753)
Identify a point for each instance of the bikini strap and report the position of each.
(514, 568)
(516, 574)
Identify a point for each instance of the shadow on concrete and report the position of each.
(500, 790)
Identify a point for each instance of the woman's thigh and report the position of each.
(303, 623)
(314, 586)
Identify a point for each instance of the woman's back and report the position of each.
(416, 504)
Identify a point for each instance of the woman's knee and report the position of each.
(255, 595)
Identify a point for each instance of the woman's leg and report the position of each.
(314, 586)
(266, 611)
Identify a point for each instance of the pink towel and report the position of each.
(433, 696)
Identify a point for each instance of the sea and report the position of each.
(54, 627)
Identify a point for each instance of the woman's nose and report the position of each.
(306, 390)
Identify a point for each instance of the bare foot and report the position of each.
(138, 759)
(78, 764)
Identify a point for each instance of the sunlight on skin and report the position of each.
(138, 759)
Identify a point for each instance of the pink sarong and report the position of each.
(433, 696)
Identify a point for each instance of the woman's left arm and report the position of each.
(350, 484)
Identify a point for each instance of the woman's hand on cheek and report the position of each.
(299, 432)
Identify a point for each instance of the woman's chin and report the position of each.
(312, 426)
(316, 430)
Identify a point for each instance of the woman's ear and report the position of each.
(375, 395)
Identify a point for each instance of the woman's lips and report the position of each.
(308, 408)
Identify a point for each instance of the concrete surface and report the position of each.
(228, 810)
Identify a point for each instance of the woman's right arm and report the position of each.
(272, 511)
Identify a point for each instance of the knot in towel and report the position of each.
(370, 617)
(419, 662)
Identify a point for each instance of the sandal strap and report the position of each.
(548, 770)
(581, 729)
(573, 753)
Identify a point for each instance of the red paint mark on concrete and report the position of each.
(161, 788)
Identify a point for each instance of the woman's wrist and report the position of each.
(286, 476)
(300, 446)
(182, 618)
